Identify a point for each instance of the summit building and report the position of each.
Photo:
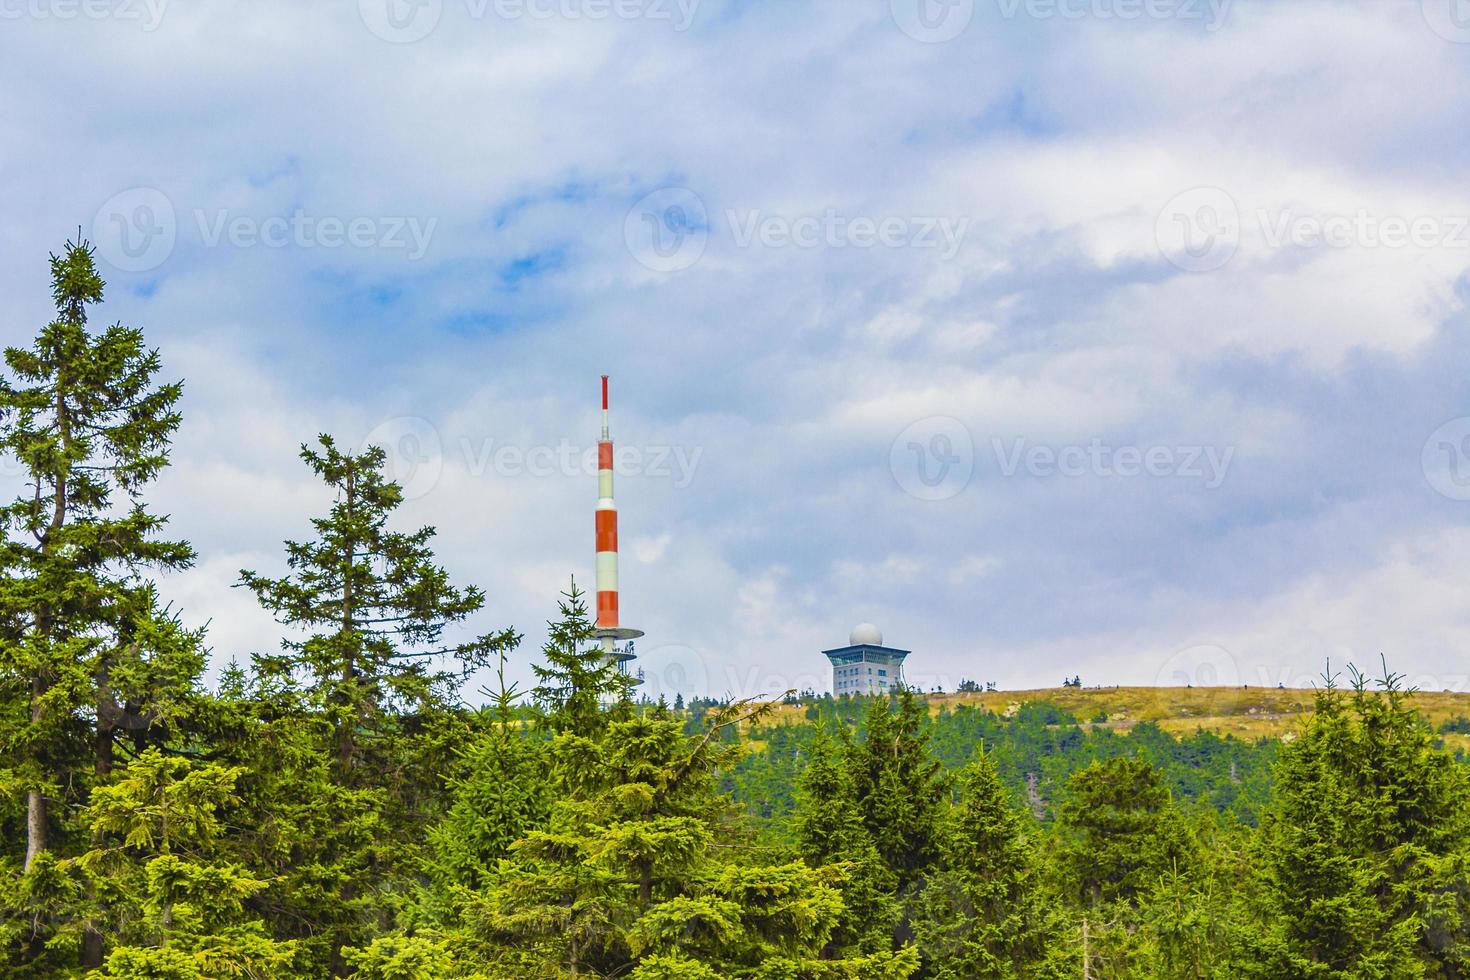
(865, 665)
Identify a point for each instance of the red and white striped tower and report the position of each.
(608, 630)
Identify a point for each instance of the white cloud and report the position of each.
(790, 371)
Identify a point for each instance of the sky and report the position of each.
(1120, 339)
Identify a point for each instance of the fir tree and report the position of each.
(377, 602)
(177, 904)
(829, 831)
(502, 796)
(576, 680)
(1120, 831)
(85, 419)
(332, 851)
(982, 914)
(630, 876)
(899, 786)
(1366, 843)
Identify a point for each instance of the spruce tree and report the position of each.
(899, 786)
(334, 853)
(1365, 846)
(375, 603)
(636, 873)
(576, 681)
(1120, 831)
(176, 900)
(829, 832)
(982, 914)
(501, 795)
(90, 426)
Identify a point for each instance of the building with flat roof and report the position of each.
(865, 665)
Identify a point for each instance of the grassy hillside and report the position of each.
(1215, 746)
(1245, 712)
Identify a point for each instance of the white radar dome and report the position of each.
(865, 633)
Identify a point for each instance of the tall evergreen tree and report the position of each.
(90, 427)
(375, 603)
(633, 874)
(1120, 831)
(1368, 866)
(177, 899)
(576, 682)
(331, 851)
(501, 795)
(829, 831)
(900, 787)
(982, 914)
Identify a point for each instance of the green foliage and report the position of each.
(1366, 844)
(86, 655)
(633, 875)
(982, 912)
(899, 786)
(830, 832)
(334, 810)
(85, 421)
(172, 902)
(377, 602)
(1036, 750)
(1119, 831)
(500, 797)
(576, 680)
(399, 957)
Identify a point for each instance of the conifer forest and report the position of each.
(344, 806)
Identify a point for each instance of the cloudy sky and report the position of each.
(1121, 338)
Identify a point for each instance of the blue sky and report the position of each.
(1102, 337)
